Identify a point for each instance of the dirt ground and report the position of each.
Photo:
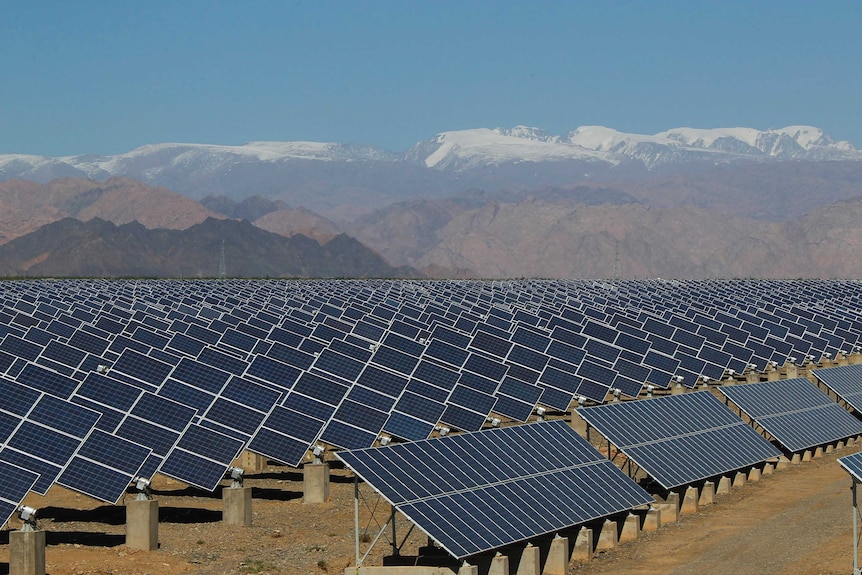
(797, 521)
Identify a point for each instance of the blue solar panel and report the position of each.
(347, 436)
(47, 381)
(845, 381)
(15, 483)
(141, 367)
(222, 361)
(853, 465)
(321, 388)
(104, 467)
(199, 375)
(275, 372)
(338, 364)
(471, 508)
(407, 427)
(680, 439)
(793, 411)
(395, 360)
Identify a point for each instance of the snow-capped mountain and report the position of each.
(465, 149)
(323, 176)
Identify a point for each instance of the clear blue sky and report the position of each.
(104, 77)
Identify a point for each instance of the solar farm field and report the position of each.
(106, 384)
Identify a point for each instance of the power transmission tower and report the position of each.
(618, 268)
(222, 271)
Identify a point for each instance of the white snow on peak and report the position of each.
(604, 139)
(484, 145)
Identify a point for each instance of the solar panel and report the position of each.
(680, 439)
(479, 491)
(845, 381)
(794, 411)
(15, 483)
(853, 465)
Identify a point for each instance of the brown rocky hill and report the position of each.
(26, 206)
(537, 238)
(71, 248)
(275, 216)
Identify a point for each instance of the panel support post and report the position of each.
(557, 562)
(707, 494)
(754, 474)
(652, 520)
(499, 565)
(27, 552)
(142, 524)
(315, 482)
(631, 528)
(609, 536)
(531, 561)
(237, 506)
(583, 545)
(690, 500)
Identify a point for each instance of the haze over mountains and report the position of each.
(516, 202)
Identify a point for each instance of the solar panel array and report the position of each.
(680, 439)
(479, 491)
(845, 381)
(795, 412)
(178, 377)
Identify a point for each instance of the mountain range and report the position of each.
(501, 203)
(342, 181)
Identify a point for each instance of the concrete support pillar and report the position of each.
(768, 468)
(796, 459)
(830, 448)
(315, 482)
(839, 444)
(707, 494)
(689, 501)
(855, 358)
(783, 463)
(806, 455)
(677, 389)
(754, 474)
(609, 537)
(531, 561)
(818, 451)
(739, 479)
(499, 565)
(791, 370)
(841, 360)
(631, 528)
(723, 485)
(237, 506)
(752, 377)
(557, 562)
(579, 424)
(773, 375)
(669, 508)
(584, 545)
(142, 524)
(27, 553)
(652, 520)
(467, 569)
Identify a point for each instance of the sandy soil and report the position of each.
(796, 521)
